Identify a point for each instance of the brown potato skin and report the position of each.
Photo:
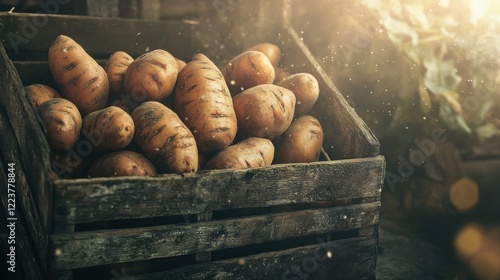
(265, 110)
(164, 138)
(108, 129)
(204, 104)
(272, 51)
(306, 90)
(151, 76)
(79, 77)
(248, 153)
(301, 142)
(116, 67)
(62, 122)
(121, 163)
(247, 70)
(39, 93)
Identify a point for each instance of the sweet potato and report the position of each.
(151, 76)
(301, 142)
(205, 105)
(164, 138)
(306, 90)
(108, 129)
(265, 110)
(272, 51)
(247, 70)
(39, 93)
(121, 163)
(62, 122)
(248, 153)
(115, 68)
(79, 78)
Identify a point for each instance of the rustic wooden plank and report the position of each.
(27, 262)
(203, 256)
(84, 249)
(353, 258)
(132, 36)
(21, 129)
(101, 199)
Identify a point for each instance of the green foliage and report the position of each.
(454, 49)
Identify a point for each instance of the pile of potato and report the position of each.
(158, 114)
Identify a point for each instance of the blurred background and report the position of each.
(424, 76)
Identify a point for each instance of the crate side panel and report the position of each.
(132, 36)
(27, 261)
(21, 132)
(90, 200)
(353, 258)
(84, 249)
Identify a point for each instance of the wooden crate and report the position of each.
(317, 220)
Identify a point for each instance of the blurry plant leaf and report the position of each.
(440, 75)
(487, 131)
(417, 14)
(451, 98)
(399, 31)
(451, 118)
(425, 99)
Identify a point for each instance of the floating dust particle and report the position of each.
(57, 252)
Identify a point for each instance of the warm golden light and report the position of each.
(469, 241)
(464, 194)
(486, 265)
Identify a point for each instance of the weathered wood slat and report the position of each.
(353, 258)
(29, 264)
(84, 249)
(132, 36)
(90, 200)
(19, 129)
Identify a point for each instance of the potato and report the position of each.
(265, 110)
(306, 90)
(109, 129)
(247, 70)
(205, 105)
(39, 93)
(62, 122)
(151, 77)
(79, 78)
(121, 163)
(301, 142)
(116, 67)
(164, 138)
(248, 153)
(272, 52)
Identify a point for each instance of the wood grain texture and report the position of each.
(19, 128)
(90, 200)
(352, 258)
(83, 249)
